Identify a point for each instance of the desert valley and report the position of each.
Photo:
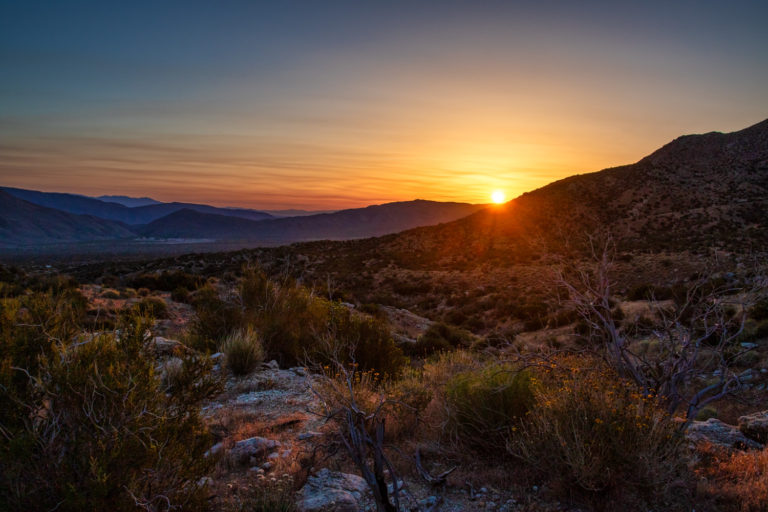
(346, 256)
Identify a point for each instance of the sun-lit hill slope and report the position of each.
(697, 192)
(346, 224)
(24, 223)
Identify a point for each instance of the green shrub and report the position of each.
(484, 404)
(597, 439)
(180, 294)
(110, 294)
(152, 306)
(438, 337)
(214, 318)
(706, 413)
(103, 434)
(296, 325)
(243, 351)
(364, 340)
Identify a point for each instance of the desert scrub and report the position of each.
(598, 439)
(262, 494)
(735, 482)
(484, 404)
(243, 351)
(151, 306)
(439, 337)
(104, 433)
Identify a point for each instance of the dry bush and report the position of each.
(243, 351)
(261, 494)
(734, 482)
(598, 439)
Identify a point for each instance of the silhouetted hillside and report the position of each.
(696, 193)
(82, 205)
(130, 202)
(23, 223)
(346, 224)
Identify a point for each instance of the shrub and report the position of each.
(438, 337)
(214, 318)
(243, 351)
(483, 404)
(597, 439)
(180, 294)
(735, 482)
(152, 306)
(110, 294)
(265, 495)
(103, 434)
(296, 325)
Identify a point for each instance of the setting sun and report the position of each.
(498, 196)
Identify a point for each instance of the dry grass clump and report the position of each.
(735, 482)
(598, 440)
(243, 351)
(261, 494)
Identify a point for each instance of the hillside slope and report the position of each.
(24, 223)
(696, 193)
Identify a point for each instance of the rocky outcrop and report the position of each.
(252, 448)
(333, 492)
(720, 434)
(755, 426)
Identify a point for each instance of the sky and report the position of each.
(328, 105)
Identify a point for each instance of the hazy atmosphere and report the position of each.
(328, 105)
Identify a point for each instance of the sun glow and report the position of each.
(498, 196)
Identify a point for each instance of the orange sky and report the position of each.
(358, 103)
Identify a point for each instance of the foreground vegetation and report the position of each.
(95, 417)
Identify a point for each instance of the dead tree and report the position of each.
(705, 321)
(361, 430)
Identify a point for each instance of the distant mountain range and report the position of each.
(23, 223)
(83, 205)
(31, 218)
(130, 202)
(697, 193)
(345, 224)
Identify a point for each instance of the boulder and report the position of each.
(755, 426)
(333, 492)
(720, 434)
(166, 346)
(256, 447)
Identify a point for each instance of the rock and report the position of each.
(255, 447)
(165, 346)
(755, 426)
(720, 434)
(272, 365)
(301, 372)
(333, 492)
(205, 481)
(308, 435)
(213, 450)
